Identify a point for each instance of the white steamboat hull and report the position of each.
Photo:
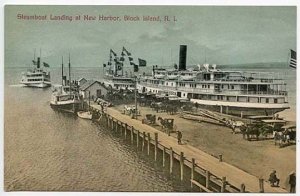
(242, 109)
(37, 84)
(67, 106)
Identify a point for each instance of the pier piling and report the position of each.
(261, 185)
(125, 131)
(148, 143)
(207, 179)
(131, 134)
(164, 157)
(144, 140)
(171, 160)
(181, 165)
(223, 187)
(137, 138)
(192, 171)
(155, 145)
(242, 189)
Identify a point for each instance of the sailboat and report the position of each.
(36, 77)
(65, 97)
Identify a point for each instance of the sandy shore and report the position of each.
(256, 157)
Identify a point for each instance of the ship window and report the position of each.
(275, 101)
(267, 100)
(208, 86)
(232, 86)
(222, 86)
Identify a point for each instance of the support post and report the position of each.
(261, 185)
(155, 145)
(242, 190)
(131, 135)
(171, 160)
(137, 138)
(148, 144)
(144, 140)
(207, 179)
(193, 171)
(223, 187)
(125, 134)
(164, 157)
(181, 165)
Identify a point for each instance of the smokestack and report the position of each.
(38, 62)
(182, 57)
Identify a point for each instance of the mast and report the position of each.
(62, 70)
(69, 74)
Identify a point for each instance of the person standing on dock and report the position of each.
(179, 137)
(273, 179)
(292, 182)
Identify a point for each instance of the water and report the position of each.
(48, 151)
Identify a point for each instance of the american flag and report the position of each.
(293, 59)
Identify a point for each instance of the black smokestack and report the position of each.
(38, 62)
(182, 57)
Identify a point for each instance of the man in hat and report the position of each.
(179, 136)
(292, 182)
(273, 179)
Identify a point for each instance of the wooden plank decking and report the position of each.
(234, 175)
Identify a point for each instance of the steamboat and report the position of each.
(230, 92)
(36, 77)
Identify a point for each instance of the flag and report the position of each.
(122, 59)
(136, 68)
(46, 64)
(104, 65)
(128, 53)
(142, 62)
(132, 63)
(112, 52)
(293, 59)
(123, 54)
(34, 62)
(130, 58)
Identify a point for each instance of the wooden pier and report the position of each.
(207, 173)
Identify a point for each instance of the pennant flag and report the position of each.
(136, 68)
(122, 59)
(123, 54)
(128, 53)
(46, 64)
(130, 58)
(104, 65)
(34, 62)
(293, 59)
(112, 52)
(132, 63)
(142, 62)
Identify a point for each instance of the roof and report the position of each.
(81, 79)
(260, 117)
(87, 84)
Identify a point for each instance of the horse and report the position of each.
(166, 123)
(235, 124)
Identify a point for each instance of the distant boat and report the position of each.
(36, 77)
(66, 97)
(85, 115)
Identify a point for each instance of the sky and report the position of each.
(219, 34)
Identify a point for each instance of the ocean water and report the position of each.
(45, 150)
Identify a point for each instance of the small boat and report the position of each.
(84, 115)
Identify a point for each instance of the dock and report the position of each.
(207, 173)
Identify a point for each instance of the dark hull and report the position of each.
(71, 108)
